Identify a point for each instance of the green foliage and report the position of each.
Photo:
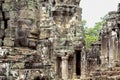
(92, 33)
(90, 39)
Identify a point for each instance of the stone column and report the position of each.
(112, 51)
(104, 51)
(65, 68)
(115, 49)
(56, 66)
(83, 65)
(119, 47)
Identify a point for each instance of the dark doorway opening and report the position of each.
(59, 68)
(78, 62)
(40, 78)
(37, 78)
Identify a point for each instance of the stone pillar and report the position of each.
(83, 65)
(65, 68)
(56, 67)
(116, 50)
(119, 50)
(56, 64)
(111, 45)
(113, 49)
(104, 51)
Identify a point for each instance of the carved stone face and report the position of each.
(27, 32)
(62, 20)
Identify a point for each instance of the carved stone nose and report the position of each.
(34, 31)
(33, 36)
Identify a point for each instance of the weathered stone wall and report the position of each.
(23, 55)
(110, 48)
(110, 37)
(35, 32)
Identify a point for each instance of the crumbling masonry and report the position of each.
(108, 49)
(44, 40)
(41, 40)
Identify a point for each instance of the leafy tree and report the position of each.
(92, 33)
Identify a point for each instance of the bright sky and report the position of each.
(92, 10)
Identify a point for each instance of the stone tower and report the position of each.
(109, 48)
(41, 39)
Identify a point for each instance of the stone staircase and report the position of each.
(112, 74)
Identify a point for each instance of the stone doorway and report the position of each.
(59, 64)
(78, 63)
(40, 78)
(37, 78)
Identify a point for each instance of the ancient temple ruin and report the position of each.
(41, 40)
(109, 48)
(44, 40)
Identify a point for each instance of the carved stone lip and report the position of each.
(34, 31)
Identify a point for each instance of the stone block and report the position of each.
(7, 1)
(1, 17)
(11, 78)
(2, 26)
(10, 32)
(32, 44)
(1, 33)
(18, 66)
(0, 42)
(5, 7)
(2, 78)
(8, 6)
(8, 42)
(13, 14)
(45, 33)
(7, 15)
(7, 32)
(2, 70)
